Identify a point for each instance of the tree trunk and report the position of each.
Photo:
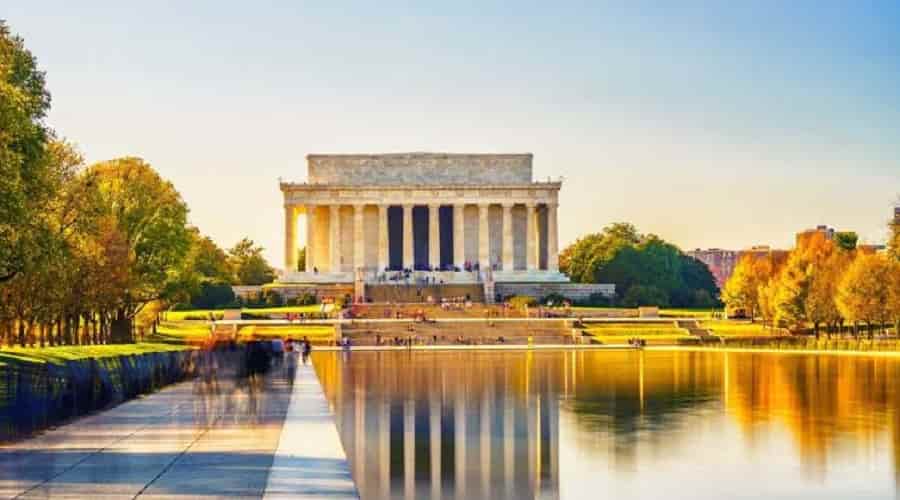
(121, 331)
(43, 333)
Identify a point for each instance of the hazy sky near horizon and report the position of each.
(711, 124)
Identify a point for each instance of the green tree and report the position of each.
(151, 217)
(846, 240)
(581, 260)
(698, 288)
(250, 267)
(213, 294)
(25, 183)
(645, 295)
(206, 259)
(893, 244)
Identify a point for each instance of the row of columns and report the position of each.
(434, 257)
(489, 457)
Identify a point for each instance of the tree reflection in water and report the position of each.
(631, 424)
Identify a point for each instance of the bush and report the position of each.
(554, 299)
(702, 298)
(521, 301)
(274, 298)
(304, 299)
(641, 295)
(598, 300)
(213, 295)
(307, 299)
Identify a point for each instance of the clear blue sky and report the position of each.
(709, 123)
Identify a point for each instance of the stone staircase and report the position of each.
(694, 329)
(403, 293)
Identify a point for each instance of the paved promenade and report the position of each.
(188, 440)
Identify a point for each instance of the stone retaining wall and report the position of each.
(572, 291)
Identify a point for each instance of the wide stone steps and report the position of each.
(446, 332)
(694, 328)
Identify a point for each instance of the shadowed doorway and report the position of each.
(395, 238)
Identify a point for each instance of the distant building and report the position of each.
(720, 262)
(828, 232)
(871, 249)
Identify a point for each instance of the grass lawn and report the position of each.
(190, 332)
(732, 328)
(687, 313)
(181, 332)
(653, 333)
(296, 332)
(61, 354)
(203, 314)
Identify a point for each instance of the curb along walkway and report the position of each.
(310, 461)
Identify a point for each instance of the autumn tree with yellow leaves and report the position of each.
(822, 282)
(864, 290)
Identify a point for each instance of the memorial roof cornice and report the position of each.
(305, 186)
(417, 154)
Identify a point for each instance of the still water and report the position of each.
(616, 424)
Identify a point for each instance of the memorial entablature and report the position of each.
(456, 214)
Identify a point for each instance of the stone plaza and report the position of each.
(448, 218)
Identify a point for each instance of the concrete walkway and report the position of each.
(189, 440)
(310, 461)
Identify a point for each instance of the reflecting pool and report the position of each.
(616, 424)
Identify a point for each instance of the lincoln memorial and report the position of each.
(456, 218)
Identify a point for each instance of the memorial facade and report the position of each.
(463, 216)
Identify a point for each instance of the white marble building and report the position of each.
(456, 215)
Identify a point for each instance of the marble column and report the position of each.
(459, 444)
(359, 247)
(552, 238)
(484, 242)
(310, 238)
(290, 238)
(334, 221)
(531, 237)
(434, 431)
(459, 236)
(484, 446)
(384, 448)
(507, 237)
(383, 243)
(409, 449)
(434, 236)
(407, 236)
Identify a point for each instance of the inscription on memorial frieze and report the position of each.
(420, 169)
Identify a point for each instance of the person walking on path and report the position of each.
(307, 349)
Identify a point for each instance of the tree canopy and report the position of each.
(250, 267)
(25, 162)
(622, 256)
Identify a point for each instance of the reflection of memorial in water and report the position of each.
(446, 424)
(515, 424)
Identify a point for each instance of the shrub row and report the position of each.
(35, 395)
